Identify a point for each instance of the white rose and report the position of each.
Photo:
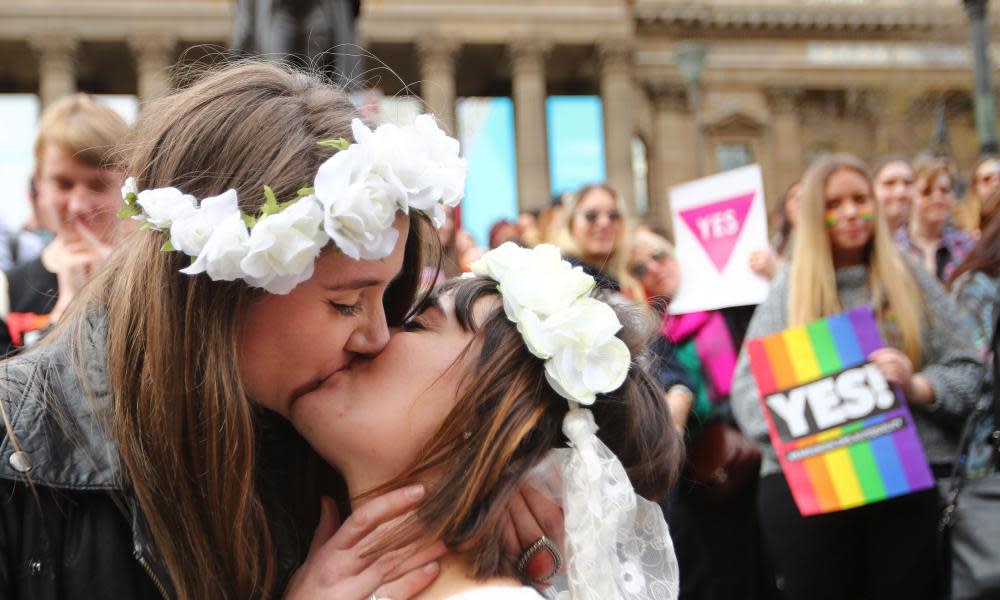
(129, 188)
(587, 359)
(283, 247)
(189, 233)
(444, 179)
(225, 249)
(537, 280)
(423, 158)
(359, 200)
(163, 206)
(500, 261)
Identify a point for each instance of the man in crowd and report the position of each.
(79, 194)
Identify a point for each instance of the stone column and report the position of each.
(154, 56)
(615, 64)
(786, 151)
(56, 65)
(672, 151)
(527, 57)
(891, 108)
(437, 76)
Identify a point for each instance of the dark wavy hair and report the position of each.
(507, 418)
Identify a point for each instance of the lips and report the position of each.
(318, 382)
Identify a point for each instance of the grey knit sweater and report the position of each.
(950, 363)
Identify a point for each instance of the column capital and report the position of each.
(528, 48)
(153, 44)
(668, 95)
(61, 45)
(614, 54)
(785, 99)
(438, 48)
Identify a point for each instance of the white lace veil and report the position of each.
(618, 544)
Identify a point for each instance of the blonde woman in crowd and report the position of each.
(595, 237)
(931, 239)
(844, 258)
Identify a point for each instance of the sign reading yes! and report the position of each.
(844, 437)
(718, 222)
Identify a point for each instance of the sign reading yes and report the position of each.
(850, 395)
(718, 222)
(718, 225)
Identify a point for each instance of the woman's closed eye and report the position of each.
(348, 310)
(414, 325)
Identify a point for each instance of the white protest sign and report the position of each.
(718, 222)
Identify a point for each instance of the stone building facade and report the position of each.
(778, 81)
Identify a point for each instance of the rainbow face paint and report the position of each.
(832, 216)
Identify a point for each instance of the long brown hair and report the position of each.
(812, 288)
(505, 420)
(190, 441)
(985, 256)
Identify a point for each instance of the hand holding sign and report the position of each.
(842, 434)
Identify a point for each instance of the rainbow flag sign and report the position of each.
(843, 436)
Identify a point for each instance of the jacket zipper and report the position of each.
(152, 575)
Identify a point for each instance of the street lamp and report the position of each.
(984, 98)
(690, 60)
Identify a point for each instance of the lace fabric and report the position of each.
(618, 544)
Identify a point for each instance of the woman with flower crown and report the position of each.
(149, 448)
(524, 371)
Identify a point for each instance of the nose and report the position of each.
(371, 335)
(78, 202)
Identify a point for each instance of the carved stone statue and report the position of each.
(319, 31)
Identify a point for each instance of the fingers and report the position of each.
(410, 584)
(327, 525)
(419, 558)
(547, 513)
(374, 513)
(511, 546)
(528, 529)
(91, 238)
(385, 568)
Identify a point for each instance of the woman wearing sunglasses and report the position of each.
(594, 237)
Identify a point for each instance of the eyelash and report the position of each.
(348, 310)
(413, 325)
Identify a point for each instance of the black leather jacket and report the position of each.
(72, 532)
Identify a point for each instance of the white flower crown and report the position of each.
(618, 544)
(549, 301)
(352, 201)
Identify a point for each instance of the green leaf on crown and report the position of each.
(248, 220)
(167, 247)
(339, 143)
(306, 191)
(271, 205)
(128, 211)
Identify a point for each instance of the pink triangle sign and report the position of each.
(718, 225)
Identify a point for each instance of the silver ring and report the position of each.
(542, 543)
(373, 597)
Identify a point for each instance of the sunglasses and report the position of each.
(592, 215)
(639, 270)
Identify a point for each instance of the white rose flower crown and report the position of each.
(618, 544)
(352, 201)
